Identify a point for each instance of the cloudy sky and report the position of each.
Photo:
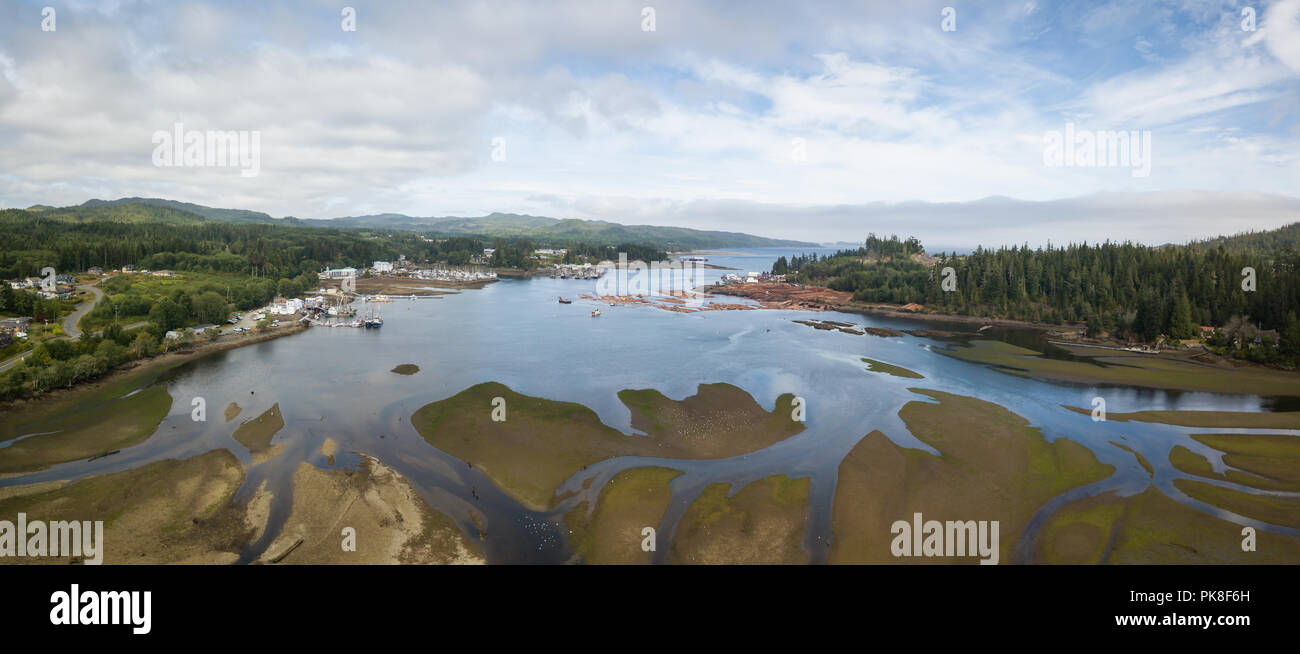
(816, 121)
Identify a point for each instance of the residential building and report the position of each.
(338, 273)
(15, 325)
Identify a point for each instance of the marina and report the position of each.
(577, 271)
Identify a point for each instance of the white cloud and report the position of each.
(602, 120)
(1282, 29)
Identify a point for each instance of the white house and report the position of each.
(338, 273)
(383, 266)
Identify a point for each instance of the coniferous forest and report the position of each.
(153, 237)
(1118, 289)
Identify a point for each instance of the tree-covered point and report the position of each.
(60, 363)
(1120, 289)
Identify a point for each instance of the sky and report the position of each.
(961, 123)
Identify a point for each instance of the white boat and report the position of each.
(595, 313)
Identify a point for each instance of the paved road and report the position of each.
(9, 363)
(69, 323)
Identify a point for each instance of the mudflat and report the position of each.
(541, 443)
(993, 466)
(171, 511)
(93, 431)
(389, 521)
(1169, 371)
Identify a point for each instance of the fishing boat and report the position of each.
(564, 301)
(595, 313)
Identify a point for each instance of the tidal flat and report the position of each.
(701, 444)
(614, 531)
(256, 434)
(890, 369)
(389, 522)
(1172, 370)
(538, 444)
(989, 464)
(992, 466)
(170, 511)
(95, 431)
(762, 523)
(1150, 527)
(186, 511)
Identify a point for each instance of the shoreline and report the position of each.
(817, 302)
(1065, 335)
(141, 366)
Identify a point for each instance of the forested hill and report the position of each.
(497, 225)
(1272, 243)
(155, 237)
(1116, 288)
(224, 215)
(75, 238)
(541, 227)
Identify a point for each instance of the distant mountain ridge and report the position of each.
(492, 225)
(224, 215)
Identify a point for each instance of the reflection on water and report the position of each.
(336, 383)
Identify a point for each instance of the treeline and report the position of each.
(891, 250)
(31, 240)
(25, 303)
(1118, 289)
(60, 363)
(112, 236)
(581, 252)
